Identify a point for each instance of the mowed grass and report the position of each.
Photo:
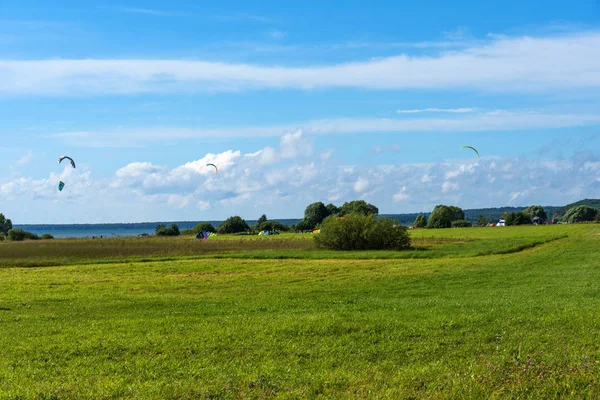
(468, 242)
(525, 324)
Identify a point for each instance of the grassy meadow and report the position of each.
(466, 313)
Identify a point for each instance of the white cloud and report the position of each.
(438, 110)
(142, 191)
(361, 185)
(503, 64)
(293, 145)
(514, 196)
(25, 159)
(448, 186)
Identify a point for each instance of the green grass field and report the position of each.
(466, 313)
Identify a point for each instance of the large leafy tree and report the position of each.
(442, 216)
(518, 218)
(420, 221)
(233, 224)
(263, 218)
(358, 207)
(314, 214)
(581, 214)
(332, 209)
(536, 211)
(5, 224)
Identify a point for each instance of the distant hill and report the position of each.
(586, 202)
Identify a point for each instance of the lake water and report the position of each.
(116, 230)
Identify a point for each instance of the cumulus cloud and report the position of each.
(509, 64)
(294, 144)
(284, 189)
(361, 185)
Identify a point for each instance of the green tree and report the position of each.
(332, 209)
(482, 221)
(420, 221)
(537, 211)
(581, 214)
(162, 230)
(263, 218)
(233, 224)
(204, 226)
(518, 218)
(5, 224)
(362, 232)
(271, 226)
(458, 213)
(358, 207)
(442, 216)
(314, 214)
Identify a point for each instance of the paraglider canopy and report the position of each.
(213, 165)
(61, 158)
(472, 148)
(61, 185)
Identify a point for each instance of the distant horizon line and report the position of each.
(251, 220)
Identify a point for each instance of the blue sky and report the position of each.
(296, 104)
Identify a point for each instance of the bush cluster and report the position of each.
(362, 232)
(461, 223)
(204, 226)
(162, 230)
(18, 235)
(271, 226)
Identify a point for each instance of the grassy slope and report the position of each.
(514, 325)
(426, 244)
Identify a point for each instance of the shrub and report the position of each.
(187, 232)
(362, 232)
(581, 214)
(2, 236)
(233, 224)
(461, 223)
(204, 226)
(162, 230)
(18, 235)
(271, 226)
(47, 236)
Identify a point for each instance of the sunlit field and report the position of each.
(465, 313)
